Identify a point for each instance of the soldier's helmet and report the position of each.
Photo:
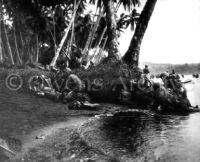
(164, 74)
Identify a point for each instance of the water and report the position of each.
(170, 138)
(193, 90)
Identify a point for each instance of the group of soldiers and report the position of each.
(62, 85)
(168, 95)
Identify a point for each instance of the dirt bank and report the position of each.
(25, 117)
(38, 129)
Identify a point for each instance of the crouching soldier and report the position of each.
(74, 90)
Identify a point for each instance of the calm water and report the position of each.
(167, 138)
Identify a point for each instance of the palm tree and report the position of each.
(100, 40)
(1, 50)
(37, 49)
(110, 10)
(91, 35)
(53, 63)
(19, 61)
(113, 52)
(8, 45)
(131, 57)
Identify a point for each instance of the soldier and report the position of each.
(146, 70)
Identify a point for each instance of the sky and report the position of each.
(173, 33)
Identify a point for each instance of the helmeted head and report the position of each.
(164, 74)
(139, 70)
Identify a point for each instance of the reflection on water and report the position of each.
(157, 138)
(193, 90)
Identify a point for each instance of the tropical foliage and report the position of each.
(33, 30)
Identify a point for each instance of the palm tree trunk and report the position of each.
(131, 57)
(69, 48)
(101, 50)
(54, 32)
(37, 49)
(96, 27)
(95, 54)
(8, 46)
(1, 45)
(22, 49)
(19, 61)
(100, 40)
(91, 35)
(71, 41)
(1, 49)
(31, 55)
(3, 53)
(53, 63)
(113, 52)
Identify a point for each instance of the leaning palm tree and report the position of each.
(93, 29)
(100, 40)
(19, 61)
(76, 6)
(8, 45)
(110, 10)
(131, 57)
(37, 49)
(1, 20)
(1, 50)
